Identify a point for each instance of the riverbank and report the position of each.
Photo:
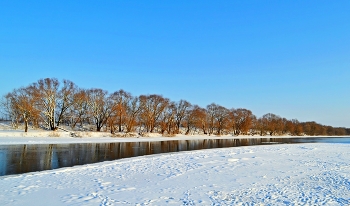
(11, 137)
(288, 174)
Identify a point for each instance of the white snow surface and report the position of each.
(12, 137)
(298, 174)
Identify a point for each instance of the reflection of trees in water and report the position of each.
(16, 159)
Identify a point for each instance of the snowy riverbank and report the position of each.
(11, 137)
(312, 174)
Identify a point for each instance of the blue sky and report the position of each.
(291, 58)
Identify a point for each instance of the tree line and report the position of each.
(49, 103)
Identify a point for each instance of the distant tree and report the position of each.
(167, 119)
(196, 118)
(23, 103)
(313, 128)
(272, 123)
(45, 102)
(78, 112)
(339, 131)
(254, 128)
(292, 127)
(132, 112)
(9, 109)
(261, 126)
(330, 130)
(189, 120)
(289, 127)
(242, 120)
(217, 118)
(45, 92)
(298, 128)
(181, 109)
(211, 117)
(221, 118)
(100, 107)
(347, 131)
(65, 100)
(120, 103)
(151, 108)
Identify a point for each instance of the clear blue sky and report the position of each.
(291, 58)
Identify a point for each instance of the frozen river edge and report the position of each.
(312, 174)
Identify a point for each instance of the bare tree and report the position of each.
(23, 102)
(211, 117)
(45, 101)
(45, 92)
(217, 118)
(293, 127)
(242, 120)
(132, 111)
(100, 107)
(272, 123)
(200, 118)
(167, 119)
(313, 128)
(190, 120)
(78, 112)
(120, 100)
(221, 118)
(9, 109)
(151, 108)
(259, 126)
(65, 100)
(181, 109)
(195, 119)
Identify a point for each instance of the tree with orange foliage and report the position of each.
(78, 112)
(196, 118)
(23, 102)
(120, 103)
(151, 108)
(167, 119)
(242, 120)
(272, 123)
(132, 112)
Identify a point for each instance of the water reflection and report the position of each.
(17, 159)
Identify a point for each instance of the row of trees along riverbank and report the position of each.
(50, 103)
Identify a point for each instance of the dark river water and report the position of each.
(18, 159)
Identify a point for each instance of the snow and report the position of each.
(288, 174)
(11, 137)
(48, 137)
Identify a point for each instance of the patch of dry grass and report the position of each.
(54, 134)
(124, 135)
(169, 135)
(81, 134)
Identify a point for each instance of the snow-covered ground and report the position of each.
(300, 174)
(9, 136)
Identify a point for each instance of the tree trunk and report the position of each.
(98, 126)
(120, 123)
(203, 128)
(25, 125)
(177, 128)
(188, 130)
